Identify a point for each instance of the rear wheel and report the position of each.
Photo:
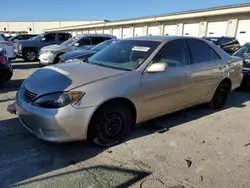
(220, 95)
(110, 124)
(30, 55)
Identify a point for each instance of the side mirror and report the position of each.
(76, 44)
(157, 67)
(43, 39)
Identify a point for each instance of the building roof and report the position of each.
(222, 10)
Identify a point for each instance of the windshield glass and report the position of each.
(243, 51)
(71, 40)
(38, 37)
(103, 45)
(124, 54)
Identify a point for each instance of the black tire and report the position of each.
(5, 76)
(110, 124)
(30, 55)
(220, 96)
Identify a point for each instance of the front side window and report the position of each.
(50, 37)
(173, 53)
(201, 52)
(244, 51)
(84, 41)
(97, 40)
(124, 54)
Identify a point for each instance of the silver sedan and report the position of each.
(127, 83)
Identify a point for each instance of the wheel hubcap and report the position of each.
(31, 55)
(112, 124)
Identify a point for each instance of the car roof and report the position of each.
(95, 35)
(160, 38)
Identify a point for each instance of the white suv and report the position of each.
(8, 46)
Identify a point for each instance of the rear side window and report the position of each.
(201, 52)
(63, 36)
(173, 53)
(97, 40)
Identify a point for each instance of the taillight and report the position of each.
(3, 59)
(6, 42)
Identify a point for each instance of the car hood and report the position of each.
(65, 77)
(77, 54)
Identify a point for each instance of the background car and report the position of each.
(21, 37)
(29, 49)
(50, 54)
(8, 46)
(244, 53)
(6, 70)
(81, 55)
(228, 44)
(127, 83)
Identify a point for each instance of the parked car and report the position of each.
(50, 54)
(131, 81)
(6, 70)
(29, 49)
(21, 37)
(244, 53)
(228, 44)
(81, 55)
(7, 45)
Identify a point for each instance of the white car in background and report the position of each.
(8, 46)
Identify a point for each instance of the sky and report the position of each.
(42, 10)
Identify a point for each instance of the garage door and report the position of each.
(74, 33)
(106, 31)
(84, 32)
(170, 29)
(116, 32)
(79, 32)
(92, 32)
(191, 30)
(243, 31)
(139, 31)
(216, 29)
(126, 32)
(99, 31)
(153, 30)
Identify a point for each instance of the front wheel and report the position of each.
(30, 55)
(110, 124)
(220, 95)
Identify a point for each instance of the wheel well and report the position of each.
(29, 48)
(117, 101)
(228, 81)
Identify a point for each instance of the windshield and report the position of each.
(3, 38)
(124, 54)
(243, 51)
(71, 40)
(103, 45)
(38, 37)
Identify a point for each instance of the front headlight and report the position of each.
(46, 51)
(57, 100)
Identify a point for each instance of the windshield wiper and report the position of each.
(112, 66)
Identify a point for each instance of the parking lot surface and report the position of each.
(197, 147)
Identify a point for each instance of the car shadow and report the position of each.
(11, 85)
(22, 65)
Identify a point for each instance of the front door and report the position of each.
(161, 90)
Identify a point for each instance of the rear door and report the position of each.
(205, 72)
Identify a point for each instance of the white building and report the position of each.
(221, 21)
(36, 27)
